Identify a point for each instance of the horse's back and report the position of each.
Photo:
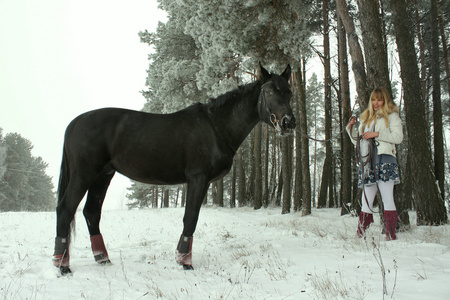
(151, 148)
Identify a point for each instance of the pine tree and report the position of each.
(24, 185)
(438, 139)
(428, 201)
(208, 48)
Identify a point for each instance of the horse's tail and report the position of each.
(64, 178)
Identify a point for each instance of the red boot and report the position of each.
(184, 255)
(365, 220)
(391, 218)
(99, 249)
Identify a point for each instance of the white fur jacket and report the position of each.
(388, 136)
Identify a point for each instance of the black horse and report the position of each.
(195, 145)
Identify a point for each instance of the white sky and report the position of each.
(59, 59)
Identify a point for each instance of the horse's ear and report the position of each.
(262, 73)
(287, 73)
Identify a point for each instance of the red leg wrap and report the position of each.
(61, 256)
(184, 255)
(99, 249)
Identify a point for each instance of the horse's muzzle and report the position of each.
(288, 122)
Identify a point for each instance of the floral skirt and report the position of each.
(386, 169)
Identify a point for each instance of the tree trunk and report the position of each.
(286, 143)
(439, 161)
(429, 204)
(220, 192)
(423, 67)
(346, 114)
(274, 170)
(403, 203)
(444, 44)
(298, 180)
(257, 193)
(214, 192)
(266, 167)
(166, 196)
(303, 127)
(374, 48)
(279, 188)
(355, 53)
(241, 179)
(326, 172)
(332, 184)
(252, 172)
(233, 185)
(155, 196)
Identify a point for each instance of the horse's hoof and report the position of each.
(188, 267)
(65, 271)
(105, 262)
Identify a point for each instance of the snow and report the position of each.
(237, 254)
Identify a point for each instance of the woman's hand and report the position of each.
(370, 135)
(351, 122)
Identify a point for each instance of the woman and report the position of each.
(380, 129)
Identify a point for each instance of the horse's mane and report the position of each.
(231, 96)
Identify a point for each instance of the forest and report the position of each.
(339, 52)
(24, 185)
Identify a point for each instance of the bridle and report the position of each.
(263, 107)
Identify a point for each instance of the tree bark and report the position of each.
(220, 192)
(403, 203)
(241, 179)
(355, 53)
(252, 174)
(429, 204)
(298, 179)
(439, 161)
(233, 185)
(166, 196)
(423, 67)
(257, 193)
(444, 44)
(346, 114)
(274, 170)
(374, 47)
(286, 143)
(326, 183)
(303, 127)
(266, 167)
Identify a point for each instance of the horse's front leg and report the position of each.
(196, 191)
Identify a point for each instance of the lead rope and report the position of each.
(331, 138)
(360, 161)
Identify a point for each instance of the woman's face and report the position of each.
(377, 103)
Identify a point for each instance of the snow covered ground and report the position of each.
(237, 254)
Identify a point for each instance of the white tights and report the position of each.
(387, 195)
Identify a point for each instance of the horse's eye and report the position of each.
(269, 92)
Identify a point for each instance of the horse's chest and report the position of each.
(212, 159)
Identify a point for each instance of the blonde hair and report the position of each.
(388, 107)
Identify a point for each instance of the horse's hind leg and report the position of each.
(65, 213)
(92, 213)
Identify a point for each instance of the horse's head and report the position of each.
(274, 101)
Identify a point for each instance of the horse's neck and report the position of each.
(237, 121)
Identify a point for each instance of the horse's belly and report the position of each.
(156, 172)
